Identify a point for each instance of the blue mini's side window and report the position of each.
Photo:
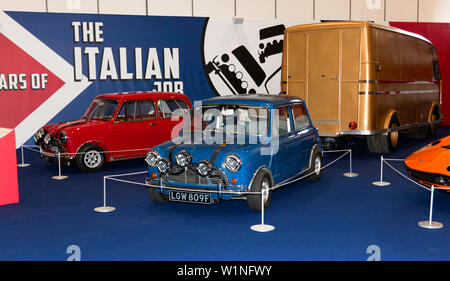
(284, 125)
(300, 117)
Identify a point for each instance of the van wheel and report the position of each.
(155, 196)
(432, 128)
(262, 183)
(389, 141)
(90, 159)
(316, 167)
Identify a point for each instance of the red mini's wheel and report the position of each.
(90, 158)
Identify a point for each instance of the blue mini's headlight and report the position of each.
(233, 163)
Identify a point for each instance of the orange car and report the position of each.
(430, 165)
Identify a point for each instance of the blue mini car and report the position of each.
(236, 148)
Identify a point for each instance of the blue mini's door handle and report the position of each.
(303, 132)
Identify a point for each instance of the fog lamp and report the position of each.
(204, 167)
(183, 158)
(163, 165)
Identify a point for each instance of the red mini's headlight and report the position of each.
(352, 125)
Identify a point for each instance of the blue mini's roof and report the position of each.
(254, 99)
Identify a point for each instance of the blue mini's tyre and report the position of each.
(316, 167)
(155, 196)
(261, 182)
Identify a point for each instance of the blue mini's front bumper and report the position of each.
(217, 192)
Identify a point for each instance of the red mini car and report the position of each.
(115, 127)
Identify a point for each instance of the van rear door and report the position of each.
(323, 79)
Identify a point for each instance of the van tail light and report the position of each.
(352, 125)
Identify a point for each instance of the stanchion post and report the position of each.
(381, 182)
(262, 209)
(23, 164)
(430, 224)
(104, 208)
(262, 227)
(59, 176)
(351, 174)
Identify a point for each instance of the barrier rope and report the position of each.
(408, 178)
(113, 178)
(80, 153)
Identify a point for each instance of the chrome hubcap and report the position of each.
(92, 159)
(317, 165)
(265, 190)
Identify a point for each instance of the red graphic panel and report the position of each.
(9, 191)
(24, 84)
(439, 35)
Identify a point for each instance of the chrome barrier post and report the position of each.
(430, 224)
(104, 208)
(59, 176)
(23, 164)
(381, 182)
(263, 227)
(350, 174)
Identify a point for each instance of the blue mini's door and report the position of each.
(287, 153)
(294, 136)
(305, 134)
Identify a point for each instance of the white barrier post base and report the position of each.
(105, 209)
(381, 183)
(59, 177)
(350, 174)
(432, 225)
(262, 227)
(22, 165)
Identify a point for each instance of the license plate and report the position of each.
(190, 197)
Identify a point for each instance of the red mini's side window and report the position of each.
(136, 111)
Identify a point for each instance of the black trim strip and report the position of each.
(171, 152)
(69, 125)
(214, 155)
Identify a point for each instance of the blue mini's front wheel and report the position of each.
(261, 184)
(156, 196)
(316, 166)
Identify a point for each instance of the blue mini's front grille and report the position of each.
(189, 176)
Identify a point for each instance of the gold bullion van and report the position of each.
(360, 78)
